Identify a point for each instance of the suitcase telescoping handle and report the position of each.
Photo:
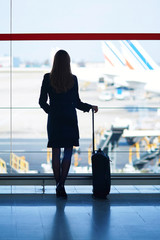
(93, 149)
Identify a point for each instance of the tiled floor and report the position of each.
(130, 212)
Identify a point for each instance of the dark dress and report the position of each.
(62, 126)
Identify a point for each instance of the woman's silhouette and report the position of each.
(62, 88)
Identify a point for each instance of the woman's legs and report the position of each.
(66, 162)
(56, 152)
(61, 170)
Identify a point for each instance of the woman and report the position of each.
(62, 127)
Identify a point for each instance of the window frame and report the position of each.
(83, 178)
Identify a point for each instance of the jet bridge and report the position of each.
(144, 155)
(111, 138)
(109, 143)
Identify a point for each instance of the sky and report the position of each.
(52, 16)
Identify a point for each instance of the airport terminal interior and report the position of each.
(120, 76)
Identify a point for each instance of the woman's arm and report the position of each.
(44, 96)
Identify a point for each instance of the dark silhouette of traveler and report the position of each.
(61, 86)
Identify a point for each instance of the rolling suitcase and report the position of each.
(100, 170)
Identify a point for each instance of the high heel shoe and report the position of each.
(60, 191)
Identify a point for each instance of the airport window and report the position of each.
(121, 80)
(98, 16)
(5, 16)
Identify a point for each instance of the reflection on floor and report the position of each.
(130, 212)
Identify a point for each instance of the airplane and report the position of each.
(133, 67)
(137, 56)
(88, 73)
(114, 64)
(147, 71)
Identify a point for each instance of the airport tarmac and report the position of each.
(35, 152)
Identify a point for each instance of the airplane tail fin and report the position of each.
(113, 57)
(136, 57)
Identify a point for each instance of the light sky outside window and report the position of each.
(33, 16)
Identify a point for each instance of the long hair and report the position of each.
(61, 77)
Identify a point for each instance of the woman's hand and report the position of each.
(95, 108)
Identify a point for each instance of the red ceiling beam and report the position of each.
(78, 36)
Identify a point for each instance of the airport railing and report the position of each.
(78, 179)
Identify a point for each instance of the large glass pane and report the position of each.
(29, 143)
(5, 16)
(31, 60)
(4, 74)
(26, 84)
(86, 16)
(28, 123)
(131, 137)
(124, 84)
(5, 143)
(130, 96)
(5, 113)
(131, 149)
